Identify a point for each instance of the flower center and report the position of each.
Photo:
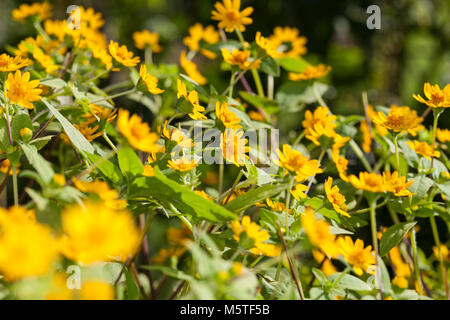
(232, 15)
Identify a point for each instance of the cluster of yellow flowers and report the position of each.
(93, 189)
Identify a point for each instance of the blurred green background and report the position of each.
(392, 63)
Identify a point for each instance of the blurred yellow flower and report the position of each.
(400, 119)
(150, 81)
(41, 10)
(341, 165)
(44, 60)
(229, 15)
(228, 118)
(319, 123)
(269, 46)
(335, 197)
(192, 98)
(8, 63)
(234, 147)
(191, 69)
(367, 136)
(327, 266)
(93, 232)
(437, 98)
(96, 290)
(240, 59)
(146, 38)
(21, 91)
(294, 161)
(288, 41)
(137, 132)
(311, 72)
(103, 192)
(298, 191)
(372, 182)
(443, 135)
(182, 164)
(197, 33)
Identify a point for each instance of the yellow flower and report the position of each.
(341, 165)
(137, 132)
(367, 136)
(102, 55)
(288, 41)
(295, 162)
(176, 135)
(424, 149)
(20, 90)
(145, 38)
(240, 59)
(164, 254)
(99, 113)
(338, 143)
(256, 116)
(276, 205)
(229, 119)
(444, 251)
(94, 233)
(191, 69)
(59, 179)
(400, 119)
(269, 46)
(327, 266)
(443, 135)
(8, 63)
(41, 10)
(59, 289)
(196, 34)
(229, 16)
(5, 167)
(148, 171)
(319, 123)
(396, 184)
(182, 164)
(150, 81)
(359, 257)
(437, 98)
(335, 197)
(96, 290)
(203, 194)
(256, 235)
(310, 72)
(90, 133)
(122, 55)
(192, 98)
(45, 60)
(298, 191)
(319, 234)
(103, 192)
(379, 128)
(27, 247)
(372, 182)
(234, 147)
(401, 269)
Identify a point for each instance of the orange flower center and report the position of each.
(233, 15)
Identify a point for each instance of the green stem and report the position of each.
(105, 136)
(441, 258)
(288, 201)
(148, 55)
(373, 225)
(360, 155)
(230, 93)
(182, 218)
(40, 30)
(15, 190)
(435, 124)
(299, 138)
(221, 169)
(124, 93)
(416, 260)
(396, 151)
(97, 76)
(368, 209)
(319, 97)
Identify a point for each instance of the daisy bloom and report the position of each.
(319, 123)
(310, 72)
(436, 98)
(122, 55)
(45, 60)
(397, 184)
(424, 149)
(21, 91)
(228, 118)
(96, 290)
(298, 191)
(362, 259)
(234, 147)
(229, 15)
(294, 161)
(191, 69)
(41, 10)
(192, 98)
(240, 59)
(341, 165)
(289, 42)
(443, 135)
(182, 164)
(8, 63)
(150, 81)
(400, 119)
(137, 132)
(145, 38)
(335, 197)
(267, 45)
(372, 182)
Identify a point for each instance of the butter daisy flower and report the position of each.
(276, 205)
(320, 122)
(240, 59)
(267, 45)
(367, 136)
(295, 162)
(424, 149)
(145, 38)
(41, 10)
(368, 181)
(298, 192)
(435, 96)
(151, 82)
(341, 165)
(289, 42)
(251, 237)
(182, 164)
(319, 234)
(336, 198)
(191, 69)
(192, 98)
(234, 146)
(443, 135)
(198, 33)
(45, 61)
(311, 72)
(8, 63)
(229, 15)
(397, 184)
(361, 258)
(122, 55)
(21, 91)
(400, 119)
(137, 132)
(228, 118)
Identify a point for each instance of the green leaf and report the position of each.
(420, 186)
(41, 165)
(110, 170)
(251, 197)
(174, 273)
(182, 197)
(270, 66)
(54, 83)
(291, 95)
(18, 122)
(129, 162)
(75, 136)
(320, 276)
(268, 105)
(350, 282)
(132, 292)
(445, 189)
(41, 142)
(293, 64)
(392, 236)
